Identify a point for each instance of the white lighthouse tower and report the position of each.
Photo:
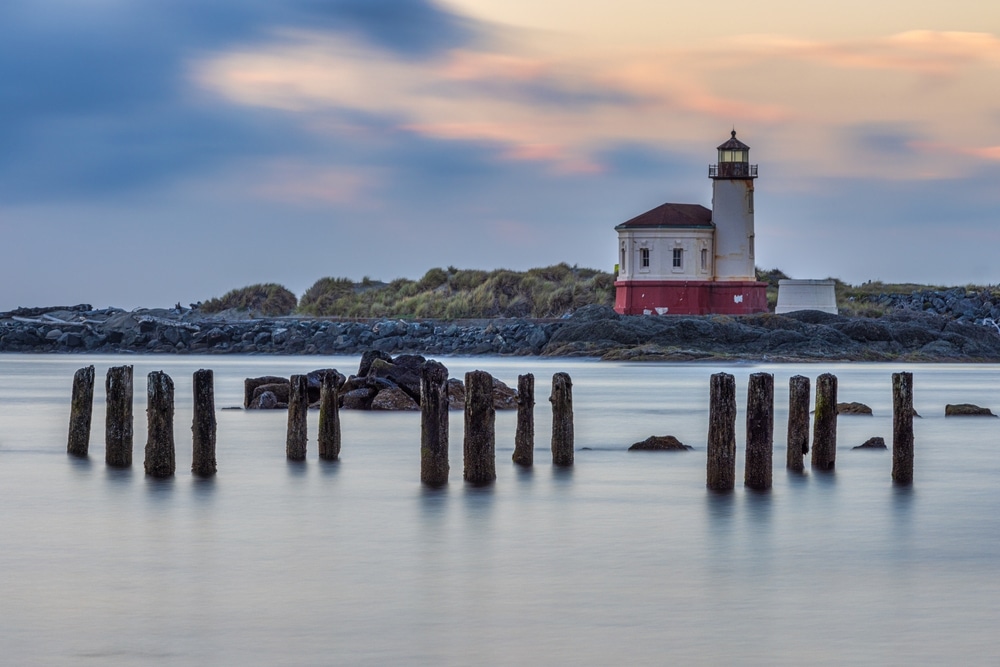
(732, 211)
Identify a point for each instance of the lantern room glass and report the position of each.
(729, 155)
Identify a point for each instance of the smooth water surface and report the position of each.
(623, 559)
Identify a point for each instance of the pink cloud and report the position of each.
(990, 153)
(921, 51)
(303, 184)
(465, 65)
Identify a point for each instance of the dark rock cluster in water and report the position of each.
(381, 383)
(908, 334)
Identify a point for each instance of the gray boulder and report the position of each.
(265, 400)
(393, 399)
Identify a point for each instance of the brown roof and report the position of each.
(733, 144)
(671, 215)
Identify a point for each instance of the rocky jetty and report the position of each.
(905, 334)
(799, 336)
(962, 304)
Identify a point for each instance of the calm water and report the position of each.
(625, 559)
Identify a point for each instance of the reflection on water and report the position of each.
(619, 559)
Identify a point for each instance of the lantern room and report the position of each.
(734, 161)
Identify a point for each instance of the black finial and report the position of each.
(734, 132)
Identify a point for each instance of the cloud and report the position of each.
(96, 97)
(919, 51)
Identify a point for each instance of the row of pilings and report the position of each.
(159, 452)
(479, 441)
(479, 445)
(721, 458)
(480, 415)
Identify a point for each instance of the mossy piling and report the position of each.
(118, 417)
(160, 458)
(81, 412)
(434, 466)
(902, 428)
(798, 422)
(721, 464)
(329, 418)
(824, 449)
(480, 428)
(562, 419)
(524, 434)
(760, 432)
(203, 425)
(297, 436)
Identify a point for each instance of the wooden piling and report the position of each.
(757, 463)
(203, 427)
(118, 417)
(81, 411)
(721, 455)
(160, 460)
(524, 434)
(824, 450)
(562, 419)
(798, 422)
(298, 413)
(480, 428)
(902, 428)
(434, 467)
(329, 418)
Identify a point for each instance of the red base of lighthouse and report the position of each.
(695, 297)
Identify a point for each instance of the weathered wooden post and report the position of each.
(434, 466)
(824, 453)
(81, 410)
(902, 428)
(118, 417)
(524, 435)
(721, 473)
(798, 422)
(329, 418)
(562, 419)
(480, 428)
(203, 427)
(160, 419)
(298, 413)
(757, 462)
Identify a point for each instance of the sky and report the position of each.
(155, 152)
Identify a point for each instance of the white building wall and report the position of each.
(660, 244)
(806, 295)
(732, 213)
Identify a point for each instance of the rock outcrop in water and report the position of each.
(382, 383)
(594, 331)
(966, 410)
(660, 443)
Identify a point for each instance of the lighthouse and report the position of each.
(732, 211)
(685, 259)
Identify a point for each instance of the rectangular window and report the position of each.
(678, 258)
(704, 259)
(644, 257)
(749, 201)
